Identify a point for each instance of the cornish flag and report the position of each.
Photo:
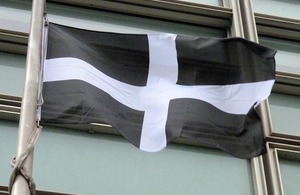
(157, 87)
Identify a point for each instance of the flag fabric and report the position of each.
(156, 87)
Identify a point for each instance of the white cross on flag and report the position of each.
(157, 87)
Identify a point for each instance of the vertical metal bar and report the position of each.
(237, 30)
(30, 95)
(248, 20)
(272, 174)
(273, 171)
(258, 176)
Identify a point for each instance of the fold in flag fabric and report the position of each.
(156, 87)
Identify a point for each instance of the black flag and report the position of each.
(156, 87)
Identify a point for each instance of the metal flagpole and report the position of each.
(28, 123)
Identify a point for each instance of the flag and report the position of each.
(156, 87)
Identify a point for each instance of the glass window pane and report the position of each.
(95, 20)
(104, 21)
(12, 74)
(283, 8)
(21, 12)
(8, 148)
(290, 175)
(77, 162)
(285, 112)
(286, 50)
(121, 168)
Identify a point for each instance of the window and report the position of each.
(285, 112)
(282, 8)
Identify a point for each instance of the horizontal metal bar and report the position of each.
(188, 7)
(4, 191)
(286, 89)
(278, 33)
(284, 77)
(9, 108)
(183, 6)
(282, 140)
(10, 100)
(276, 21)
(13, 42)
(286, 151)
(286, 136)
(287, 83)
(278, 27)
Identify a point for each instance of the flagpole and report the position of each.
(27, 122)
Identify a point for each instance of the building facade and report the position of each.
(95, 160)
